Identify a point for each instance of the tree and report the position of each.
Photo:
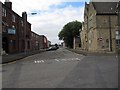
(69, 31)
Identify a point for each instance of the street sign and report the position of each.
(11, 31)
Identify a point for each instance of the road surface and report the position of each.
(62, 69)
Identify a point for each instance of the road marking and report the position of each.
(63, 60)
(117, 56)
(69, 59)
(42, 61)
(57, 60)
(39, 61)
(9, 63)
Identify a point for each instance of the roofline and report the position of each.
(14, 12)
(106, 13)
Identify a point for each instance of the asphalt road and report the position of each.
(62, 69)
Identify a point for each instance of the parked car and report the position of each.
(52, 48)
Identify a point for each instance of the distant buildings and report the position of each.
(17, 36)
(76, 42)
(99, 32)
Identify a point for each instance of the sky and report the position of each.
(51, 15)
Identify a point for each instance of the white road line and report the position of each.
(39, 61)
(42, 61)
(57, 60)
(117, 56)
(63, 60)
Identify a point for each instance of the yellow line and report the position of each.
(9, 63)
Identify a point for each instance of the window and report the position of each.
(13, 18)
(4, 12)
(28, 45)
(118, 37)
(21, 23)
(118, 41)
(32, 34)
(23, 44)
(13, 42)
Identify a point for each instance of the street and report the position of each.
(62, 69)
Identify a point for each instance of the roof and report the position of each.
(105, 7)
(14, 12)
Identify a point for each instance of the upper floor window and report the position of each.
(21, 23)
(4, 12)
(13, 18)
(118, 37)
(32, 34)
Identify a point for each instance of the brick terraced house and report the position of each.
(38, 41)
(17, 36)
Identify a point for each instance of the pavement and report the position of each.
(62, 69)
(17, 56)
(80, 51)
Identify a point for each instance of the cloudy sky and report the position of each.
(51, 15)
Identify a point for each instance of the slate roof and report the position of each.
(105, 7)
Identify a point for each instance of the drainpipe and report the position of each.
(24, 16)
(0, 30)
(110, 32)
(118, 9)
(118, 15)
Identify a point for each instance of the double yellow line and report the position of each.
(8, 63)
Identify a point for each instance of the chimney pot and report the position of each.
(8, 4)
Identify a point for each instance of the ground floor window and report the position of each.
(118, 41)
(28, 45)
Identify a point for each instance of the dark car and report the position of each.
(52, 48)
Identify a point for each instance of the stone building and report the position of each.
(99, 27)
(76, 43)
(84, 39)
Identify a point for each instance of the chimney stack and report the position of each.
(24, 16)
(8, 4)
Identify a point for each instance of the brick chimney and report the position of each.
(24, 16)
(8, 4)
